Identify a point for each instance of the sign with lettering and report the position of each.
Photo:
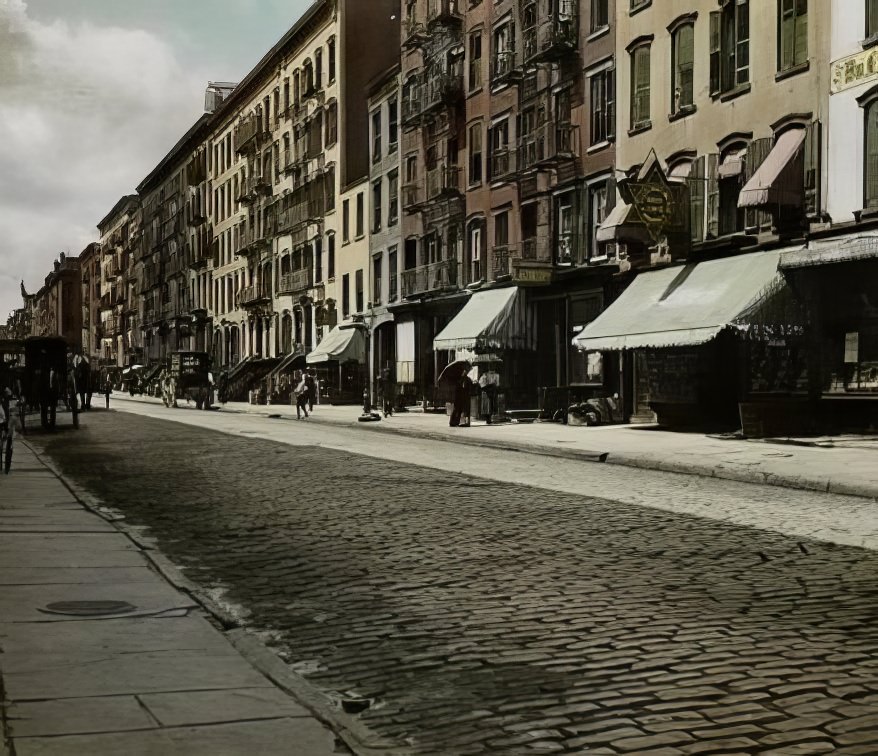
(532, 275)
(657, 203)
(855, 69)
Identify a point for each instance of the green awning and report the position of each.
(683, 305)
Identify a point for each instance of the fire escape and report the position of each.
(431, 105)
(548, 151)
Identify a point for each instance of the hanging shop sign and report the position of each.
(658, 204)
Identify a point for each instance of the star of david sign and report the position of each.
(655, 202)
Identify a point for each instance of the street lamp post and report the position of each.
(365, 322)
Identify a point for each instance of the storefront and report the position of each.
(837, 280)
(340, 362)
(496, 322)
(699, 338)
(417, 365)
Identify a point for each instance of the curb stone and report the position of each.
(868, 492)
(626, 460)
(350, 731)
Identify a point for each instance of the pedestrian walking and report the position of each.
(108, 389)
(301, 393)
(488, 382)
(9, 426)
(388, 390)
(460, 415)
(311, 388)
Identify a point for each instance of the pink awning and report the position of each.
(779, 180)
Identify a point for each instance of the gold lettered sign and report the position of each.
(853, 70)
(532, 275)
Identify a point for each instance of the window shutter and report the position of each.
(712, 188)
(315, 128)
(812, 170)
(756, 218)
(715, 51)
(610, 110)
(611, 194)
(696, 182)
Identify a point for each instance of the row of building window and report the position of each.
(729, 44)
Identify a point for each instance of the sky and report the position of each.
(93, 93)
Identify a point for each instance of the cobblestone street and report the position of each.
(477, 616)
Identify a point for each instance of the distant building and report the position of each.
(91, 287)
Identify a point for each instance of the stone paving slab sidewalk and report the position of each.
(841, 465)
(156, 681)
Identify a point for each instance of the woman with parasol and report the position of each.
(456, 377)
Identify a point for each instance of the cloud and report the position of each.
(86, 111)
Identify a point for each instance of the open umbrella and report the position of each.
(453, 371)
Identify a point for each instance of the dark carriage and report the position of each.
(187, 377)
(47, 378)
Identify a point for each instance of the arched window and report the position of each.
(870, 154)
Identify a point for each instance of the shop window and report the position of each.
(857, 368)
(682, 68)
(792, 34)
(585, 367)
(729, 47)
(640, 89)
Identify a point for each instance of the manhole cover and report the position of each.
(90, 608)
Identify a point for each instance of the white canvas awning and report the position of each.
(493, 319)
(681, 305)
(778, 180)
(732, 163)
(341, 344)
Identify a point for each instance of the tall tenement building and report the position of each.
(507, 172)
(285, 149)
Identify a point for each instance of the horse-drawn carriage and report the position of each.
(47, 377)
(187, 377)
